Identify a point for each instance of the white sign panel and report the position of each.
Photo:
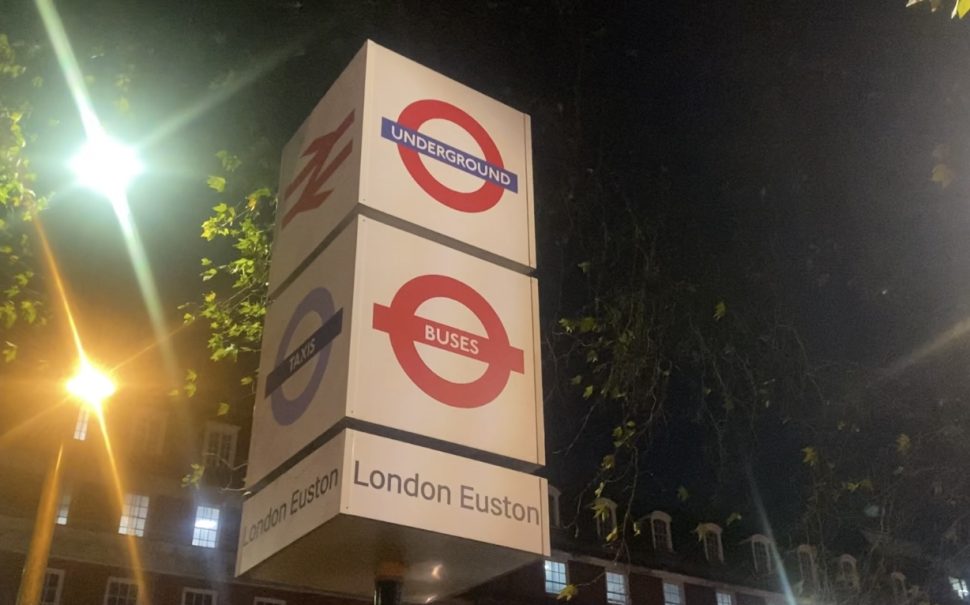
(400, 138)
(423, 488)
(304, 359)
(302, 499)
(445, 345)
(443, 156)
(320, 172)
(402, 332)
(380, 479)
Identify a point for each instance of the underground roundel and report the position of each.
(406, 330)
(313, 350)
(412, 144)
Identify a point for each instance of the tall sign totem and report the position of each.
(398, 412)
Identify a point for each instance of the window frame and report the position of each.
(707, 531)
(126, 514)
(125, 581)
(604, 527)
(809, 551)
(268, 601)
(222, 429)
(851, 579)
(898, 581)
(617, 597)
(187, 590)
(762, 541)
(550, 576)
(959, 586)
(658, 516)
(680, 593)
(720, 593)
(58, 591)
(200, 534)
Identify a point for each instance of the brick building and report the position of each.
(186, 536)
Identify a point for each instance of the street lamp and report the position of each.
(91, 387)
(106, 166)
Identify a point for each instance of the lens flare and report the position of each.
(106, 166)
(90, 385)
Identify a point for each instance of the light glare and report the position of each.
(106, 166)
(90, 385)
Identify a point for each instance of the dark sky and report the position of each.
(801, 130)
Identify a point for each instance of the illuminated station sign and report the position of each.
(398, 411)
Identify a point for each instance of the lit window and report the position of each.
(725, 598)
(616, 591)
(268, 601)
(121, 592)
(660, 531)
(220, 444)
(147, 432)
(672, 594)
(133, 515)
(960, 588)
(81, 426)
(63, 508)
(206, 529)
(761, 554)
(711, 534)
(50, 593)
(554, 495)
(806, 567)
(193, 596)
(556, 578)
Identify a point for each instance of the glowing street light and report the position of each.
(90, 385)
(106, 166)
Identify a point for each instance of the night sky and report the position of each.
(793, 143)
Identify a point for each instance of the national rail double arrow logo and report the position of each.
(406, 329)
(411, 144)
(315, 349)
(317, 172)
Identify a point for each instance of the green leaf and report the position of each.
(584, 266)
(962, 8)
(194, 477)
(246, 380)
(575, 380)
(810, 456)
(903, 444)
(943, 174)
(567, 593)
(720, 310)
(682, 493)
(223, 409)
(217, 183)
(733, 517)
(588, 392)
(613, 535)
(609, 461)
(9, 351)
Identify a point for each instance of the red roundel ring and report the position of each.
(501, 357)
(480, 200)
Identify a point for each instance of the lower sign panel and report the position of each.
(362, 500)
